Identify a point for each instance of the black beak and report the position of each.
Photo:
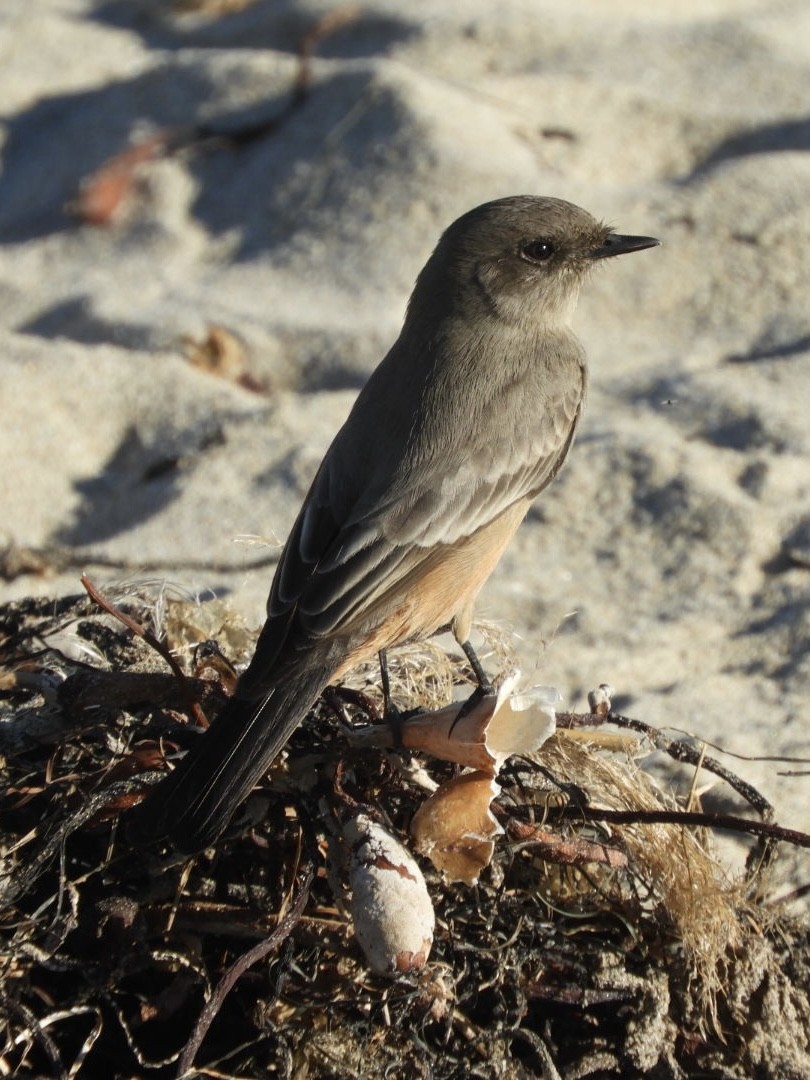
(616, 244)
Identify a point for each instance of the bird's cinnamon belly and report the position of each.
(440, 590)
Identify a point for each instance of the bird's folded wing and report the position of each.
(337, 564)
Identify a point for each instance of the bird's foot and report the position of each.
(481, 691)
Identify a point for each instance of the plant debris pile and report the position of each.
(585, 950)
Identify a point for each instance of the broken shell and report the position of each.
(390, 905)
(496, 727)
(455, 827)
(523, 719)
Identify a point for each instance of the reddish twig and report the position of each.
(767, 829)
(16, 561)
(193, 706)
(602, 713)
(104, 192)
(676, 749)
(240, 966)
(571, 851)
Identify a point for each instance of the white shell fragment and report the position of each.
(390, 905)
(496, 727)
(522, 719)
(455, 827)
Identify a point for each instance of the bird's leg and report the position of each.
(481, 691)
(484, 683)
(391, 713)
(385, 680)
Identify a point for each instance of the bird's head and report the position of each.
(519, 258)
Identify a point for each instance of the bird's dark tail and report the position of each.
(194, 804)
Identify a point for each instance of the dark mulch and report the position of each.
(110, 956)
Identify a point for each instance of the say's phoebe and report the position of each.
(469, 416)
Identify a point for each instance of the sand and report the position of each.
(671, 558)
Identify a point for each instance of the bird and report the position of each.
(468, 417)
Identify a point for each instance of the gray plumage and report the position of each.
(469, 416)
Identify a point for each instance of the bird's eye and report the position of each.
(537, 251)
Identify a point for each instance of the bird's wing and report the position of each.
(337, 562)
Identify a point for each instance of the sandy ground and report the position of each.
(671, 558)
